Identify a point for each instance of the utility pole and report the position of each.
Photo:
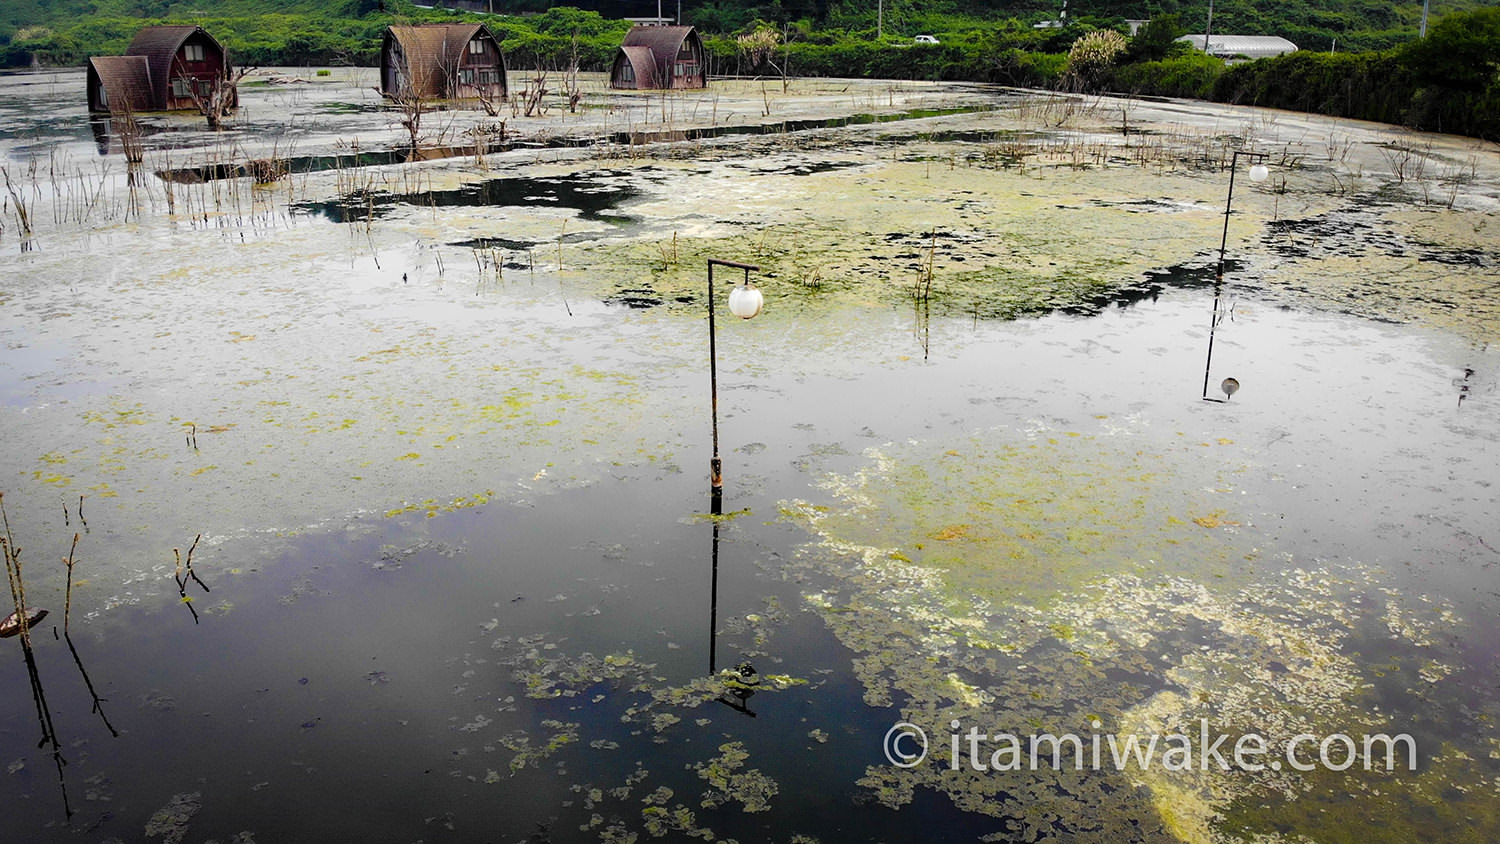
(1423, 33)
(880, 19)
(1210, 28)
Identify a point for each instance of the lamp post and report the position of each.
(1258, 173)
(745, 301)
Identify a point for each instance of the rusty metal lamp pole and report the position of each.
(745, 301)
(1258, 173)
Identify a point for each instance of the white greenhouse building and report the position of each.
(1249, 46)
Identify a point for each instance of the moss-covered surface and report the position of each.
(631, 693)
(1027, 584)
(197, 358)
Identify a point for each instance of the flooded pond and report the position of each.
(390, 480)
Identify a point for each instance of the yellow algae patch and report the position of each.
(1214, 520)
(430, 507)
(952, 532)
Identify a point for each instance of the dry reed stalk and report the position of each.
(68, 595)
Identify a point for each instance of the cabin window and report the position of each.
(627, 73)
(181, 87)
(489, 76)
(466, 77)
(205, 87)
(103, 96)
(192, 52)
(476, 47)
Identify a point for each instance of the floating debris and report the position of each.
(11, 624)
(171, 820)
(751, 788)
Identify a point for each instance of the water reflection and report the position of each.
(1230, 385)
(739, 692)
(44, 720)
(737, 695)
(185, 573)
(97, 706)
(1467, 383)
(20, 624)
(594, 195)
(716, 509)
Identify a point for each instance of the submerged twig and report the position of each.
(68, 595)
(191, 573)
(184, 572)
(12, 553)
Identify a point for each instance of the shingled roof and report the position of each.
(126, 81)
(643, 63)
(660, 57)
(663, 41)
(159, 44)
(434, 46)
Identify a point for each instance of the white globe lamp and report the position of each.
(746, 300)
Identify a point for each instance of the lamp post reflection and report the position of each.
(713, 602)
(1258, 173)
(740, 687)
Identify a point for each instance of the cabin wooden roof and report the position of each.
(159, 44)
(662, 40)
(643, 63)
(126, 81)
(433, 51)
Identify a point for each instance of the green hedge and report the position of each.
(883, 60)
(1191, 76)
(1382, 87)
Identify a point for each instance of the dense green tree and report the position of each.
(1156, 40)
(1460, 51)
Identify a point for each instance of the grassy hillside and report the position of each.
(65, 31)
(1381, 70)
(285, 32)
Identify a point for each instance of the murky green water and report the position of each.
(447, 453)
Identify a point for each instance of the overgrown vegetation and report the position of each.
(1447, 82)
(1381, 70)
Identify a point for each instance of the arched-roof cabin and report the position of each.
(120, 83)
(660, 57)
(162, 69)
(442, 61)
